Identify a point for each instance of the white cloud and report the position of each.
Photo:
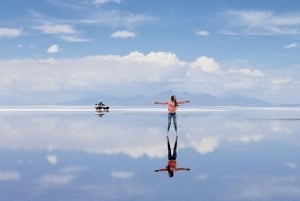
(291, 45)
(52, 159)
(277, 128)
(269, 188)
(50, 129)
(10, 32)
(75, 39)
(261, 22)
(50, 28)
(278, 83)
(53, 48)
(246, 138)
(206, 144)
(136, 69)
(107, 1)
(115, 18)
(122, 174)
(290, 165)
(246, 71)
(202, 33)
(206, 64)
(56, 179)
(123, 34)
(9, 175)
(202, 177)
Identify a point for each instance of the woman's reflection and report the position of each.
(171, 166)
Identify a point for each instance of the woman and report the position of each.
(171, 166)
(172, 108)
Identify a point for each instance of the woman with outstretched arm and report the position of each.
(172, 108)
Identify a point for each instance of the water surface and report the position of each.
(70, 153)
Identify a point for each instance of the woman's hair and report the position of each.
(170, 172)
(173, 99)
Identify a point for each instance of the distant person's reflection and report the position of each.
(172, 166)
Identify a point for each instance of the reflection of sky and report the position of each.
(233, 153)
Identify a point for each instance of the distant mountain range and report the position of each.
(197, 99)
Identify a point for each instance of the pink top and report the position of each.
(172, 166)
(172, 107)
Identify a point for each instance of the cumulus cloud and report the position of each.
(123, 34)
(206, 64)
(53, 48)
(205, 74)
(10, 32)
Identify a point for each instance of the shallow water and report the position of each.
(70, 153)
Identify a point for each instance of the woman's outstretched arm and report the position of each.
(161, 170)
(162, 103)
(181, 102)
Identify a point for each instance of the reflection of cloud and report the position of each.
(56, 179)
(122, 174)
(43, 132)
(277, 128)
(52, 159)
(290, 165)
(202, 177)
(246, 138)
(9, 175)
(116, 191)
(135, 135)
(205, 145)
(268, 188)
(291, 45)
(63, 177)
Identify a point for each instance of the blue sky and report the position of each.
(62, 50)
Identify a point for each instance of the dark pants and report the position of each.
(174, 155)
(172, 115)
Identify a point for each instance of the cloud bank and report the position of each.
(143, 71)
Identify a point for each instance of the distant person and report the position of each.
(171, 166)
(172, 108)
